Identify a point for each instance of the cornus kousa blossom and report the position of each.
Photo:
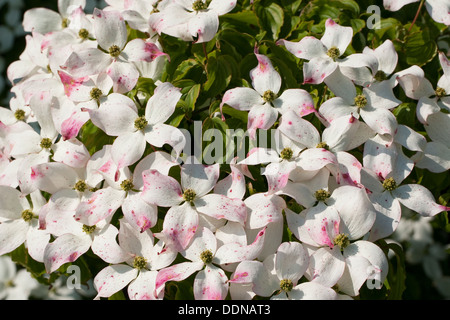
(324, 55)
(115, 55)
(262, 102)
(277, 276)
(191, 20)
(211, 282)
(187, 200)
(118, 116)
(328, 135)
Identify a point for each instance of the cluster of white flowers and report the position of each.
(60, 200)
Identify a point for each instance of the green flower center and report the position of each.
(189, 195)
(114, 51)
(360, 101)
(323, 145)
(65, 23)
(440, 92)
(83, 34)
(322, 195)
(139, 262)
(342, 240)
(380, 76)
(27, 215)
(95, 93)
(206, 256)
(333, 53)
(80, 186)
(286, 153)
(199, 5)
(286, 285)
(46, 143)
(89, 229)
(140, 123)
(127, 185)
(389, 184)
(269, 96)
(19, 114)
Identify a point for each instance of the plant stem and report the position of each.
(417, 15)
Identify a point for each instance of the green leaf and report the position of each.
(93, 137)
(192, 95)
(218, 74)
(184, 68)
(117, 296)
(21, 257)
(270, 17)
(396, 279)
(406, 114)
(244, 17)
(420, 47)
(236, 114)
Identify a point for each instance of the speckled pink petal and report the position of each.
(143, 287)
(242, 98)
(53, 176)
(139, 213)
(161, 190)
(73, 84)
(112, 279)
(210, 284)
(261, 117)
(315, 159)
(102, 204)
(263, 209)
(124, 76)
(264, 76)
(221, 207)
(277, 175)
(299, 129)
(180, 225)
(105, 246)
(66, 248)
(317, 69)
(322, 223)
(297, 100)
(235, 252)
(140, 50)
(177, 272)
(419, 199)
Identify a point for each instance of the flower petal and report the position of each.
(242, 98)
(336, 36)
(221, 207)
(235, 252)
(180, 225)
(66, 248)
(113, 279)
(109, 28)
(297, 100)
(160, 189)
(200, 178)
(291, 261)
(139, 213)
(102, 204)
(419, 199)
(204, 26)
(162, 104)
(211, 284)
(263, 209)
